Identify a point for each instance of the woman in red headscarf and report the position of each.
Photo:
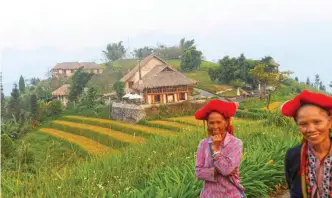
(308, 166)
(218, 156)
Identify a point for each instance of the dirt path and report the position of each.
(285, 194)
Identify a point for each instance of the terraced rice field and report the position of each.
(91, 133)
(142, 128)
(186, 120)
(86, 143)
(171, 124)
(115, 134)
(274, 106)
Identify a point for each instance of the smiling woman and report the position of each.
(308, 167)
(219, 155)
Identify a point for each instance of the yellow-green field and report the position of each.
(150, 161)
(88, 130)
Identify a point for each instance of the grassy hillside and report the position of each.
(287, 90)
(162, 166)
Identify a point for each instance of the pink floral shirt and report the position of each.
(225, 162)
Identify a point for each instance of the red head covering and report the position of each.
(290, 107)
(227, 109)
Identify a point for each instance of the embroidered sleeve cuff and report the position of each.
(206, 174)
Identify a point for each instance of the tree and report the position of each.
(186, 44)
(297, 79)
(321, 86)
(234, 71)
(227, 70)
(21, 84)
(267, 77)
(237, 83)
(308, 81)
(143, 52)
(34, 107)
(264, 77)
(2, 98)
(43, 90)
(114, 51)
(91, 97)
(243, 67)
(14, 103)
(191, 59)
(34, 81)
(173, 52)
(79, 80)
(317, 81)
(119, 89)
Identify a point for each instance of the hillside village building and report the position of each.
(157, 81)
(67, 69)
(61, 94)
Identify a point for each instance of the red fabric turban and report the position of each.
(290, 107)
(227, 109)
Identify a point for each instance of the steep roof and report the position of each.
(91, 65)
(163, 76)
(143, 62)
(76, 65)
(61, 91)
(67, 65)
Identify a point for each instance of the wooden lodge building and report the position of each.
(61, 94)
(67, 69)
(157, 81)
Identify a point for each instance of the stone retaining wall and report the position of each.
(127, 112)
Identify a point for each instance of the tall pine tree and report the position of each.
(317, 81)
(297, 79)
(308, 81)
(2, 98)
(34, 106)
(14, 103)
(21, 84)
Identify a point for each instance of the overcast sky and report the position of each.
(36, 34)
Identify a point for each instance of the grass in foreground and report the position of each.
(164, 168)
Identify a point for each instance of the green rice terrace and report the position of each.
(79, 156)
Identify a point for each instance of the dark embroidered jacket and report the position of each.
(292, 167)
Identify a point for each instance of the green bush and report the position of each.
(250, 115)
(98, 109)
(254, 110)
(172, 110)
(54, 108)
(277, 119)
(7, 147)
